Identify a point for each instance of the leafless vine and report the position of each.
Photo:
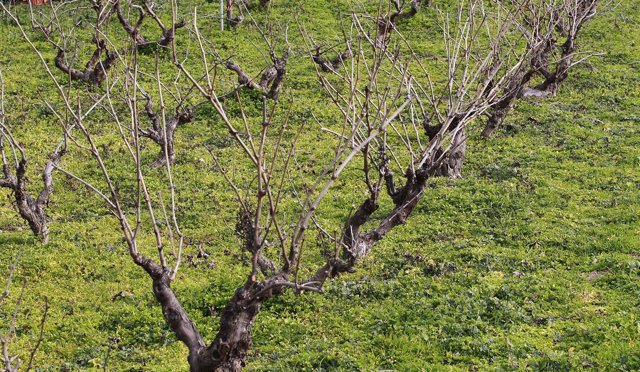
(134, 30)
(551, 30)
(401, 122)
(14, 170)
(271, 80)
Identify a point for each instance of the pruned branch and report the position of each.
(386, 23)
(271, 80)
(168, 33)
(163, 133)
(133, 30)
(331, 64)
(232, 20)
(544, 25)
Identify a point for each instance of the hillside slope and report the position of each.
(530, 261)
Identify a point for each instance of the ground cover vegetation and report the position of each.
(320, 186)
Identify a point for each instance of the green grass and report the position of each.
(530, 262)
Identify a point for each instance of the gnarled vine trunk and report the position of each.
(228, 351)
(31, 209)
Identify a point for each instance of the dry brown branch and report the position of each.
(551, 29)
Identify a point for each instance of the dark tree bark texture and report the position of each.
(327, 65)
(165, 138)
(271, 80)
(95, 70)
(140, 41)
(31, 209)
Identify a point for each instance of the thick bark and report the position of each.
(517, 87)
(103, 12)
(231, 20)
(243, 79)
(168, 34)
(228, 352)
(383, 33)
(578, 14)
(271, 80)
(553, 73)
(561, 71)
(31, 209)
(132, 30)
(174, 314)
(357, 245)
(400, 14)
(385, 24)
(165, 138)
(246, 232)
(333, 64)
(280, 66)
(504, 106)
(95, 71)
(451, 165)
(229, 349)
(134, 33)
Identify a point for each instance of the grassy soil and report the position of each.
(531, 261)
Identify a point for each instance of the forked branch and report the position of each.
(271, 80)
(14, 176)
(544, 24)
(163, 133)
(95, 71)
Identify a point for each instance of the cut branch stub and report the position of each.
(386, 24)
(232, 20)
(132, 30)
